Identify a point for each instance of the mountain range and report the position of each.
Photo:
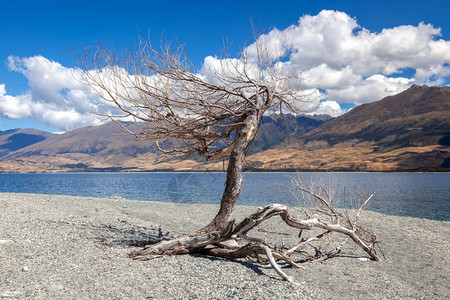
(409, 131)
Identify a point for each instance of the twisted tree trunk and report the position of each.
(220, 228)
(234, 181)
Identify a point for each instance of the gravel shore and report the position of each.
(64, 247)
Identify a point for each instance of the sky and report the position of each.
(354, 52)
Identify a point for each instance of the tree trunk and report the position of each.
(221, 226)
(233, 184)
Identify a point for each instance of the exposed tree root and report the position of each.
(234, 242)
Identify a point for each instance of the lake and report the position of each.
(424, 195)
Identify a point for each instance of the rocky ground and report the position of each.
(61, 247)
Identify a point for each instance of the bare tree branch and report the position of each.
(178, 102)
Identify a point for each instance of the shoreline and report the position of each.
(255, 170)
(70, 247)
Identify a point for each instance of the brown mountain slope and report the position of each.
(103, 147)
(108, 148)
(419, 116)
(86, 140)
(408, 131)
(15, 139)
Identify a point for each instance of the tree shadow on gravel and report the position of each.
(248, 264)
(118, 235)
(137, 236)
(129, 235)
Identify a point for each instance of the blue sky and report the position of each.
(38, 39)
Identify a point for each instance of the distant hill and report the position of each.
(419, 116)
(108, 148)
(92, 148)
(276, 128)
(12, 140)
(408, 131)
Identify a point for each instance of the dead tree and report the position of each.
(188, 111)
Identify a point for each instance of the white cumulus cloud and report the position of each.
(354, 65)
(344, 61)
(14, 107)
(55, 97)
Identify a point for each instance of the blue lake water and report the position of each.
(424, 195)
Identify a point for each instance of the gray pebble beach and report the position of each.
(65, 247)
